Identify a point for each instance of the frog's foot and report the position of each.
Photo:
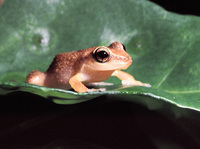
(36, 77)
(99, 84)
(127, 83)
(96, 90)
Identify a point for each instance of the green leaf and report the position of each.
(164, 46)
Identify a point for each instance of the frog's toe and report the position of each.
(96, 90)
(127, 83)
(102, 89)
(147, 85)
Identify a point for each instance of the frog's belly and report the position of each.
(97, 76)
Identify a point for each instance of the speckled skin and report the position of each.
(72, 69)
(64, 66)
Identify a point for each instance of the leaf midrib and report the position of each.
(174, 66)
(183, 92)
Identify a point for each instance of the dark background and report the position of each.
(29, 121)
(188, 7)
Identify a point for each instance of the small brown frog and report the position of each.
(77, 69)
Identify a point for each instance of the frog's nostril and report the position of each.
(126, 59)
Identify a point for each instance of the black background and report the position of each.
(189, 7)
(29, 121)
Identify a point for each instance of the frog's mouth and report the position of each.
(111, 65)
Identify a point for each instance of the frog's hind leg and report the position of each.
(36, 77)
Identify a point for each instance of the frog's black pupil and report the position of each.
(124, 47)
(102, 54)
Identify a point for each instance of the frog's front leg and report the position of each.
(78, 86)
(128, 80)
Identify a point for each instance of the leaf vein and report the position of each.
(184, 92)
(170, 71)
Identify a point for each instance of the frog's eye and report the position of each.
(124, 47)
(101, 54)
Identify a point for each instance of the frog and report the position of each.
(76, 69)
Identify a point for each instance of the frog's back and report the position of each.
(61, 70)
(63, 63)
